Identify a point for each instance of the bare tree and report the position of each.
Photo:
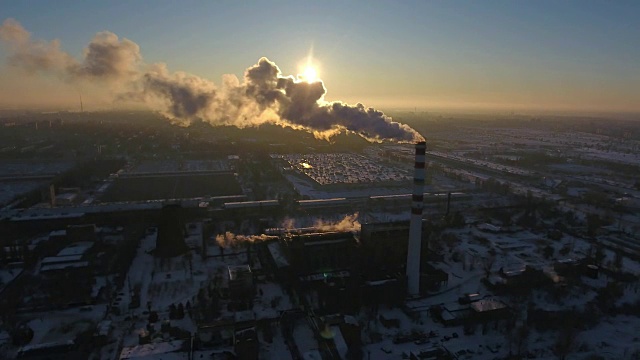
(618, 259)
(565, 343)
(487, 264)
(521, 339)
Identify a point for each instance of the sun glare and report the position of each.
(310, 74)
(308, 69)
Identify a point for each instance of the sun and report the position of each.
(309, 74)
(308, 69)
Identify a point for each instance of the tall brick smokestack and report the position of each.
(415, 227)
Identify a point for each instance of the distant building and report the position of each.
(323, 264)
(479, 311)
(384, 245)
(320, 253)
(66, 199)
(384, 254)
(241, 286)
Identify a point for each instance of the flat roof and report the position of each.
(487, 305)
(314, 201)
(60, 259)
(66, 196)
(46, 345)
(150, 350)
(322, 276)
(325, 242)
(44, 216)
(243, 204)
(238, 270)
(73, 265)
(275, 249)
(78, 248)
(246, 315)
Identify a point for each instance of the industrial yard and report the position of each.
(238, 180)
(282, 256)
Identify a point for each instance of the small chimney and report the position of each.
(52, 195)
(415, 227)
(206, 235)
(249, 245)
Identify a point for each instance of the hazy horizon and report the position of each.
(576, 57)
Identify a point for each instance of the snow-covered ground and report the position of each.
(615, 338)
(277, 348)
(469, 253)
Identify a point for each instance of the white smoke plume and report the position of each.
(264, 95)
(106, 58)
(231, 240)
(288, 223)
(349, 223)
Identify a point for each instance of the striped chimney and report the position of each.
(415, 227)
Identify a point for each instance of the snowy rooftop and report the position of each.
(151, 351)
(239, 271)
(78, 248)
(62, 266)
(60, 259)
(487, 305)
(58, 233)
(276, 253)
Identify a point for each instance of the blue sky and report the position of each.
(520, 54)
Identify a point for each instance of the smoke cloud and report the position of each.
(264, 95)
(32, 55)
(106, 58)
(231, 240)
(349, 223)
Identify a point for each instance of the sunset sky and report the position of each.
(569, 55)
